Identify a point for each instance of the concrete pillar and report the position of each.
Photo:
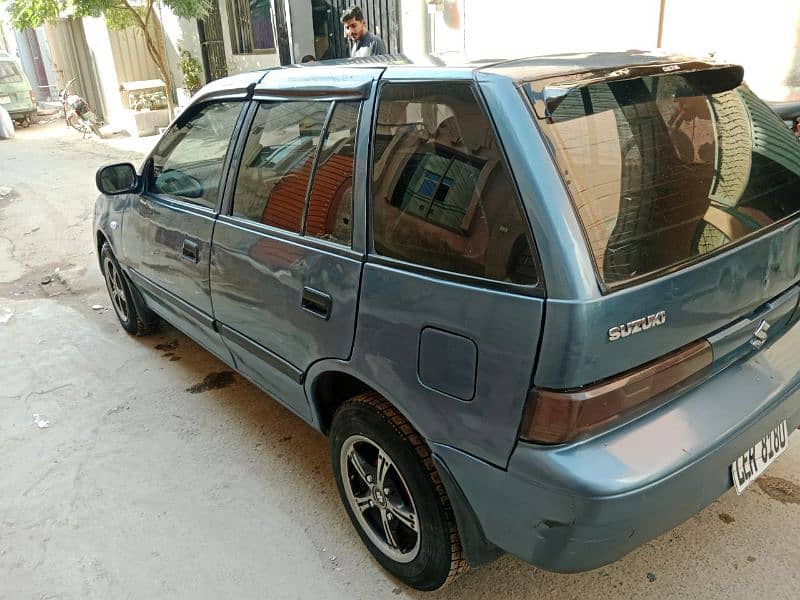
(301, 28)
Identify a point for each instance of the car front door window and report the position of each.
(187, 163)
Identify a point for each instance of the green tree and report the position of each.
(119, 14)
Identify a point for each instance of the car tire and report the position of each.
(393, 494)
(131, 312)
(33, 117)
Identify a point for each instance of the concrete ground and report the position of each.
(154, 480)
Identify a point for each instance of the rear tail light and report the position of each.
(556, 416)
(33, 96)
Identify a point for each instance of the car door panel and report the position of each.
(284, 300)
(168, 228)
(155, 238)
(257, 285)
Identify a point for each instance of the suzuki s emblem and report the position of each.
(637, 325)
(760, 336)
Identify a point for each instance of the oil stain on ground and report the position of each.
(782, 490)
(213, 381)
(726, 518)
(168, 346)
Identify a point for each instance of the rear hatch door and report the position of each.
(687, 187)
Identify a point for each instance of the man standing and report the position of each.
(362, 42)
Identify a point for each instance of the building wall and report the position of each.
(764, 38)
(301, 28)
(182, 33)
(414, 38)
(7, 42)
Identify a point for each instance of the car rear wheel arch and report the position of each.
(99, 242)
(331, 388)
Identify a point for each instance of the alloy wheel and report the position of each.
(116, 289)
(380, 498)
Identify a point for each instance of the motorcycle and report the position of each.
(77, 112)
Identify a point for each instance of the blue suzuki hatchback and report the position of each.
(544, 306)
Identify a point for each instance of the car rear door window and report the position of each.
(276, 165)
(330, 204)
(442, 196)
(187, 163)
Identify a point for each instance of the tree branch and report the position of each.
(149, 12)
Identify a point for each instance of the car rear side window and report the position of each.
(187, 162)
(9, 73)
(441, 194)
(276, 165)
(664, 169)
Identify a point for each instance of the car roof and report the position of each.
(332, 77)
(519, 69)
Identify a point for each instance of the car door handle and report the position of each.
(316, 302)
(190, 252)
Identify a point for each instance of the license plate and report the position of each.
(754, 462)
(5, 99)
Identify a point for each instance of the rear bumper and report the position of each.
(580, 506)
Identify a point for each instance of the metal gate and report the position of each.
(383, 19)
(41, 85)
(213, 48)
(131, 58)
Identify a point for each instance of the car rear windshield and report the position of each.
(661, 173)
(9, 73)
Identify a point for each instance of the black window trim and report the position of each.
(226, 162)
(225, 214)
(536, 290)
(470, 280)
(323, 136)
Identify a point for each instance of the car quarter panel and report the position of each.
(396, 307)
(566, 263)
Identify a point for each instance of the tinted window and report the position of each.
(330, 206)
(276, 164)
(187, 162)
(661, 172)
(441, 194)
